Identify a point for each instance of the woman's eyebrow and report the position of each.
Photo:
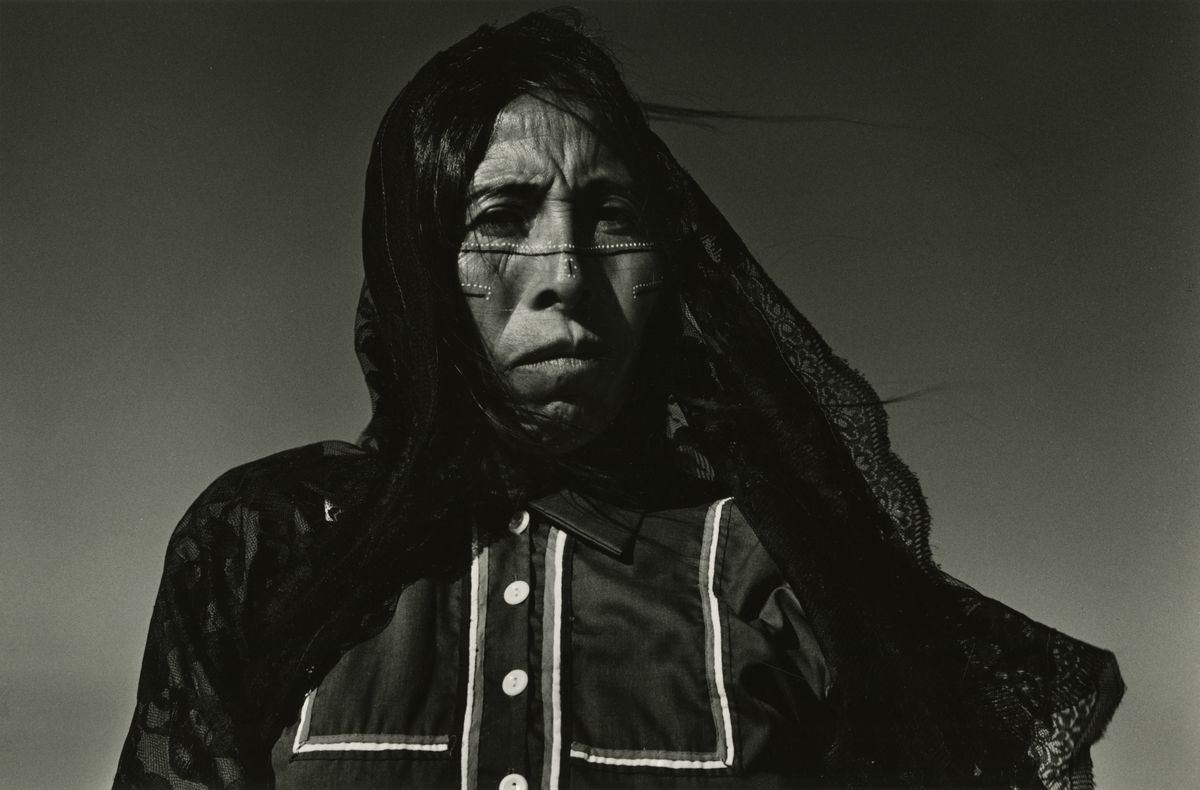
(514, 188)
(606, 185)
(520, 188)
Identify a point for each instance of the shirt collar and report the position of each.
(607, 527)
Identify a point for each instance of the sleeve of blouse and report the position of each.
(189, 718)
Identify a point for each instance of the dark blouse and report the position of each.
(585, 646)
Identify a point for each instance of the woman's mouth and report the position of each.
(562, 355)
(563, 364)
(554, 375)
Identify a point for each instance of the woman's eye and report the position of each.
(500, 221)
(619, 215)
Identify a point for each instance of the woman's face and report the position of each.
(558, 270)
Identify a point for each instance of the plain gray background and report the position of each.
(1016, 240)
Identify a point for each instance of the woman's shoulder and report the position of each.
(282, 498)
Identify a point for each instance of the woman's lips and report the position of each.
(564, 353)
(559, 364)
(563, 376)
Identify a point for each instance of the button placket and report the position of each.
(504, 750)
(516, 593)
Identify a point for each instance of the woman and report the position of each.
(620, 518)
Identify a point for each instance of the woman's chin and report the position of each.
(561, 427)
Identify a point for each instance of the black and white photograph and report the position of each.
(704, 395)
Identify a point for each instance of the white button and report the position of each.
(516, 593)
(515, 682)
(514, 782)
(518, 524)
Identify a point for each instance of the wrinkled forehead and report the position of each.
(547, 141)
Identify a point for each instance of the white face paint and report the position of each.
(558, 269)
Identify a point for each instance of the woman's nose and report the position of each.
(562, 283)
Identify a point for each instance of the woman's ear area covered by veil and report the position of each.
(777, 393)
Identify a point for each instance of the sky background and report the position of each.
(1017, 240)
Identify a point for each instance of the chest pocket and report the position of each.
(405, 665)
(649, 657)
